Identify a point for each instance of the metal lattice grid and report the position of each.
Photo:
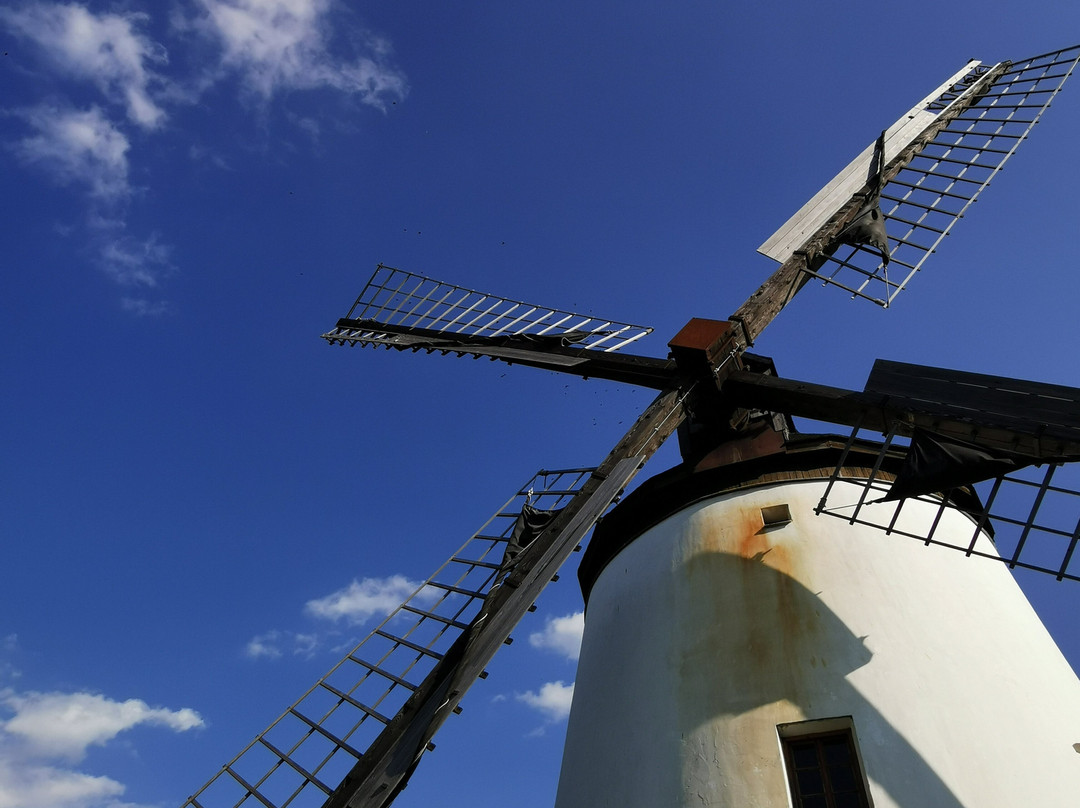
(301, 758)
(393, 297)
(925, 197)
(1028, 518)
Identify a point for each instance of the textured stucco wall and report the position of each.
(708, 631)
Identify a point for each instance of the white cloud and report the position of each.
(553, 700)
(77, 147)
(264, 646)
(282, 45)
(45, 733)
(105, 49)
(29, 785)
(64, 725)
(561, 634)
(361, 599)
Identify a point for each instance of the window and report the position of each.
(823, 767)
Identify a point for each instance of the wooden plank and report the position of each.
(886, 369)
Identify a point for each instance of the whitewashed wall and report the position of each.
(707, 632)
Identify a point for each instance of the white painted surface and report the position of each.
(793, 234)
(707, 632)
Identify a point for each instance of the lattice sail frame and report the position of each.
(410, 302)
(931, 183)
(1027, 519)
(300, 758)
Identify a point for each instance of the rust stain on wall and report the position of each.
(752, 630)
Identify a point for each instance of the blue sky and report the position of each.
(201, 502)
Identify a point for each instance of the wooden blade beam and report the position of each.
(878, 411)
(386, 766)
(549, 353)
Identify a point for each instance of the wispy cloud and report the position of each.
(106, 49)
(283, 45)
(264, 646)
(9, 647)
(561, 635)
(552, 700)
(45, 733)
(77, 147)
(144, 308)
(274, 644)
(361, 600)
(86, 144)
(136, 262)
(353, 605)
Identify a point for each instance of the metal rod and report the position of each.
(937, 518)
(456, 309)
(1069, 552)
(956, 161)
(311, 778)
(984, 517)
(873, 472)
(556, 324)
(991, 135)
(840, 465)
(514, 322)
(484, 313)
(927, 189)
(491, 323)
(907, 201)
(535, 323)
(1031, 516)
(408, 643)
(437, 617)
(895, 516)
(476, 303)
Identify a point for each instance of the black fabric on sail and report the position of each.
(530, 524)
(935, 464)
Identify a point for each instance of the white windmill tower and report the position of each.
(741, 646)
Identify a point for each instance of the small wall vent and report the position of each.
(775, 516)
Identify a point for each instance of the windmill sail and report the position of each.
(303, 756)
(354, 739)
(1027, 517)
(356, 736)
(404, 311)
(1005, 451)
(938, 158)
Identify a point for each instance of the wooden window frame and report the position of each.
(815, 732)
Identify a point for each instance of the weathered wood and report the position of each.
(531, 351)
(875, 411)
(1050, 411)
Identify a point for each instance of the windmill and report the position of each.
(755, 498)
